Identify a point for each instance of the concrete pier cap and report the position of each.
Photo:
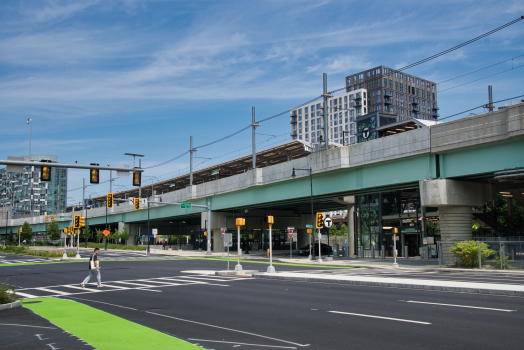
(455, 201)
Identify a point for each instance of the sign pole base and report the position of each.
(238, 267)
(271, 269)
(319, 261)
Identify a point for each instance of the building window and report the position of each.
(385, 82)
(396, 85)
(401, 87)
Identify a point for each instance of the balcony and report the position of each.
(435, 114)
(294, 133)
(388, 101)
(415, 108)
(436, 108)
(293, 120)
(414, 102)
(358, 97)
(387, 93)
(358, 103)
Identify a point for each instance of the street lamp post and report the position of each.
(29, 121)
(312, 211)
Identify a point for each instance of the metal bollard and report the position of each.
(361, 251)
(406, 253)
(372, 252)
(383, 253)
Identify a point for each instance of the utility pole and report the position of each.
(254, 125)
(191, 150)
(326, 119)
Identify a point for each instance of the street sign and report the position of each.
(290, 231)
(328, 222)
(309, 226)
(106, 233)
(223, 231)
(228, 240)
(155, 231)
(185, 205)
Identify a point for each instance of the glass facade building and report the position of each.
(25, 194)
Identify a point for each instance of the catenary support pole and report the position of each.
(326, 119)
(191, 160)
(148, 229)
(253, 127)
(208, 228)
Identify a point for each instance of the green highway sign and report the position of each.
(309, 226)
(185, 205)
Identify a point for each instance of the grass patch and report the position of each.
(101, 329)
(115, 246)
(40, 253)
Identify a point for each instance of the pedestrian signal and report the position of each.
(137, 203)
(94, 175)
(46, 218)
(137, 178)
(53, 218)
(77, 221)
(109, 200)
(270, 219)
(45, 173)
(240, 222)
(320, 220)
(82, 221)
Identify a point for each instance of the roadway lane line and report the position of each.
(464, 306)
(101, 302)
(25, 325)
(25, 295)
(231, 342)
(380, 317)
(227, 329)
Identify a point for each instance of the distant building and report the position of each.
(24, 193)
(307, 123)
(397, 93)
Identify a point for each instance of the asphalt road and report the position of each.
(220, 312)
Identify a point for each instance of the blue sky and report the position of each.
(100, 78)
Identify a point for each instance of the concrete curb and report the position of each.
(236, 273)
(393, 285)
(12, 305)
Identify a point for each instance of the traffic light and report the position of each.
(82, 222)
(109, 200)
(46, 218)
(52, 218)
(395, 230)
(65, 231)
(137, 203)
(94, 175)
(320, 220)
(270, 219)
(240, 222)
(137, 178)
(205, 233)
(20, 231)
(45, 173)
(77, 221)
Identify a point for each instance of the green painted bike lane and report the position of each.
(88, 324)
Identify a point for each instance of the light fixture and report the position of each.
(293, 175)
(505, 192)
(507, 195)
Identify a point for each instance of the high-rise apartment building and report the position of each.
(397, 93)
(307, 122)
(24, 194)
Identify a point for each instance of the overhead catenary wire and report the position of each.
(471, 109)
(491, 75)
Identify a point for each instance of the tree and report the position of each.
(10, 240)
(333, 232)
(114, 236)
(343, 230)
(27, 232)
(53, 232)
(124, 235)
(99, 235)
(87, 233)
(468, 252)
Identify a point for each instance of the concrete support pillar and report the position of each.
(350, 200)
(455, 226)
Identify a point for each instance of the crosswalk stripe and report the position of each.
(26, 295)
(52, 291)
(135, 284)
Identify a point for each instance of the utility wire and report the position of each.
(478, 70)
(469, 110)
(469, 82)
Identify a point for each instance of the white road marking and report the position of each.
(25, 295)
(232, 342)
(227, 329)
(380, 317)
(78, 287)
(51, 291)
(135, 284)
(25, 325)
(464, 306)
(101, 302)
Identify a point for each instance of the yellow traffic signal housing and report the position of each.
(76, 221)
(46, 218)
(205, 233)
(53, 218)
(65, 231)
(82, 221)
(94, 176)
(240, 221)
(270, 219)
(320, 220)
(137, 178)
(396, 230)
(109, 200)
(20, 231)
(137, 203)
(45, 173)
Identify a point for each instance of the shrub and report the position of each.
(468, 252)
(116, 246)
(7, 294)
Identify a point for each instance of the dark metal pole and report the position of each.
(148, 230)
(105, 237)
(311, 253)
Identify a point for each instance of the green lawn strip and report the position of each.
(101, 329)
(281, 263)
